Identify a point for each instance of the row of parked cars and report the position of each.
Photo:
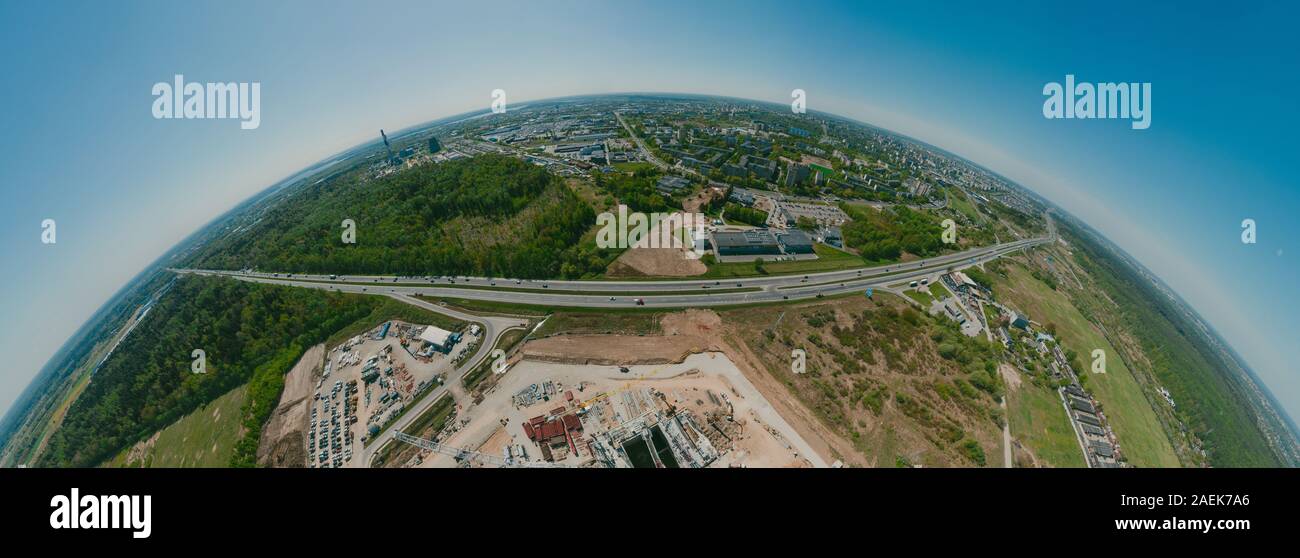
(332, 435)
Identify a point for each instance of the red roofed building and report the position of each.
(571, 422)
(552, 431)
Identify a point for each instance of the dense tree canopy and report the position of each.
(147, 383)
(885, 235)
(749, 216)
(488, 215)
(637, 190)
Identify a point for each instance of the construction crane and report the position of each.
(461, 454)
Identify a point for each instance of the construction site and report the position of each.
(701, 412)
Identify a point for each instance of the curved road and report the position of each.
(493, 327)
(542, 293)
(769, 289)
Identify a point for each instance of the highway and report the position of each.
(612, 294)
(658, 294)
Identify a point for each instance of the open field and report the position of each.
(1039, 422)
(1140, 435)
(938, 291)
(655, 262)
(634, 166)
(875, 381)
(959, 202)
(204, 438)
(644, 323)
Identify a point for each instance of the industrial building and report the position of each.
(756, 242)
(440, 339)
(672, 184)
(795, 242)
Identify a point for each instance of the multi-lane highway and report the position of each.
(663, 294)
(608, 294)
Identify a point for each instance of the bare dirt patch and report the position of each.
(283, 441)
(655, 262)
(695, 202)
(620, 350)
(1010, 376)
(823, 440)
(684, 333)
(141, 449)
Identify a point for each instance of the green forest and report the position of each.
(885, 235)
(749, 216)
(1211, 396)
(249, 332)
(637, 190)
(488, 215)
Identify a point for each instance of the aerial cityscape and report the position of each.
(820, 237)
(638, 240)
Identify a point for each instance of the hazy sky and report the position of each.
(80, 145)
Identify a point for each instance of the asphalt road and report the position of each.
(772, 289)
(615, 294)
(493, 327)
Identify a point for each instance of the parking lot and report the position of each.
(368, 380)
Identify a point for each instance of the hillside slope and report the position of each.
(487, 215)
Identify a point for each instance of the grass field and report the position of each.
(1140, 435)
(603, 323)
(633, 166)
(828, 259)
(1038, 420)
(921, 297)
(958, 201)
(204, 438)
(938, 291)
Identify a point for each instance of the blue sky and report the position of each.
(80, 145)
